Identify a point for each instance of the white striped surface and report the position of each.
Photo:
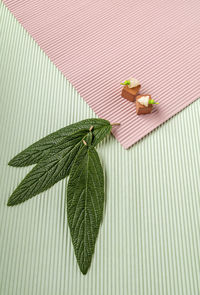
(98, 44)
(149, 240)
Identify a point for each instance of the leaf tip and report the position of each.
(14, 163)
(10, 163)
(84, 269)
(10, 203)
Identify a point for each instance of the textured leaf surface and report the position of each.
(49, 170)
(51, 143)
(84, 202)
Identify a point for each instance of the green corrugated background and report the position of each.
(149, 241)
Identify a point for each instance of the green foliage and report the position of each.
(48, 171)
(70, 150)
(126, 82)
(84, 204)
(152, 101)
(50, 144)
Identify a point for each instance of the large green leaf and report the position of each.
(56, 163)
(50, 144)
(84, 204)
(49, 170)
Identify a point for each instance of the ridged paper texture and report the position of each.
(98, 44)
(149, 238)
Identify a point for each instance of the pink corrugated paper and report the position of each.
(98, 44)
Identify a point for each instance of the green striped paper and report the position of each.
(149, 238)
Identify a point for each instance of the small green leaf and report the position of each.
(51, 143)
(126, 82)
(152, 101)
(84, 204)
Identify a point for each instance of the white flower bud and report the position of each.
(144, 100)
(133, 83)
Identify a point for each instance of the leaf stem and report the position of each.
(114, 124)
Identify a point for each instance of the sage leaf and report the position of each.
(50, 144)
(84, 204)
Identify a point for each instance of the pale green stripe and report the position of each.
(149, 239)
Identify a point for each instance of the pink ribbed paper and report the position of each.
(98, 44)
